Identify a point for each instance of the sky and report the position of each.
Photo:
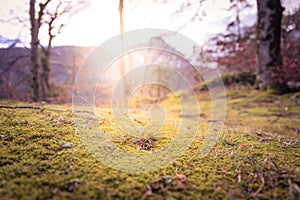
(99, 21)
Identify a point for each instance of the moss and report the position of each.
(259, 140)
(240, 79)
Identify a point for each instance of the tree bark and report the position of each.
(268, 44)
(34, 52)
(45, 86)
(45, 74)
(122, 60)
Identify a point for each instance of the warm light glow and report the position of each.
(99, 21)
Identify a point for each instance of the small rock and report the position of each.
(111, 147)
(73, 184)
(2, 136)
(64, 144)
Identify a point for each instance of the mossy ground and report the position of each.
(257, 155)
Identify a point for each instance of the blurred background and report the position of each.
(43, 43)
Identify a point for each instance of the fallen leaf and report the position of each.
(179, 184)
(179, 181)
(58, 149)
(181, 177)
(149, 190)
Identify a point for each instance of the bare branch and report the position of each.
(41, 11)
(182, 8)
(196, 16)
(32, 107)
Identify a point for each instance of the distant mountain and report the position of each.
(7, 42)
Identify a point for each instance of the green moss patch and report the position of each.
(257, 155)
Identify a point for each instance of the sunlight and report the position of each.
(93, 25)
(99, 21)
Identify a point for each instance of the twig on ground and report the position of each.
(254, 194)
(293, 128)
(31, 107)
(19, 107)
(260, 186)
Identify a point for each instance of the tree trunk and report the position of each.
(45, 86)
(122, 60)
(34, 52)
(268, 44)
(45, 75)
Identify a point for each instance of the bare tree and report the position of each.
(50, 12)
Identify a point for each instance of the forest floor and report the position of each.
(257, 155)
